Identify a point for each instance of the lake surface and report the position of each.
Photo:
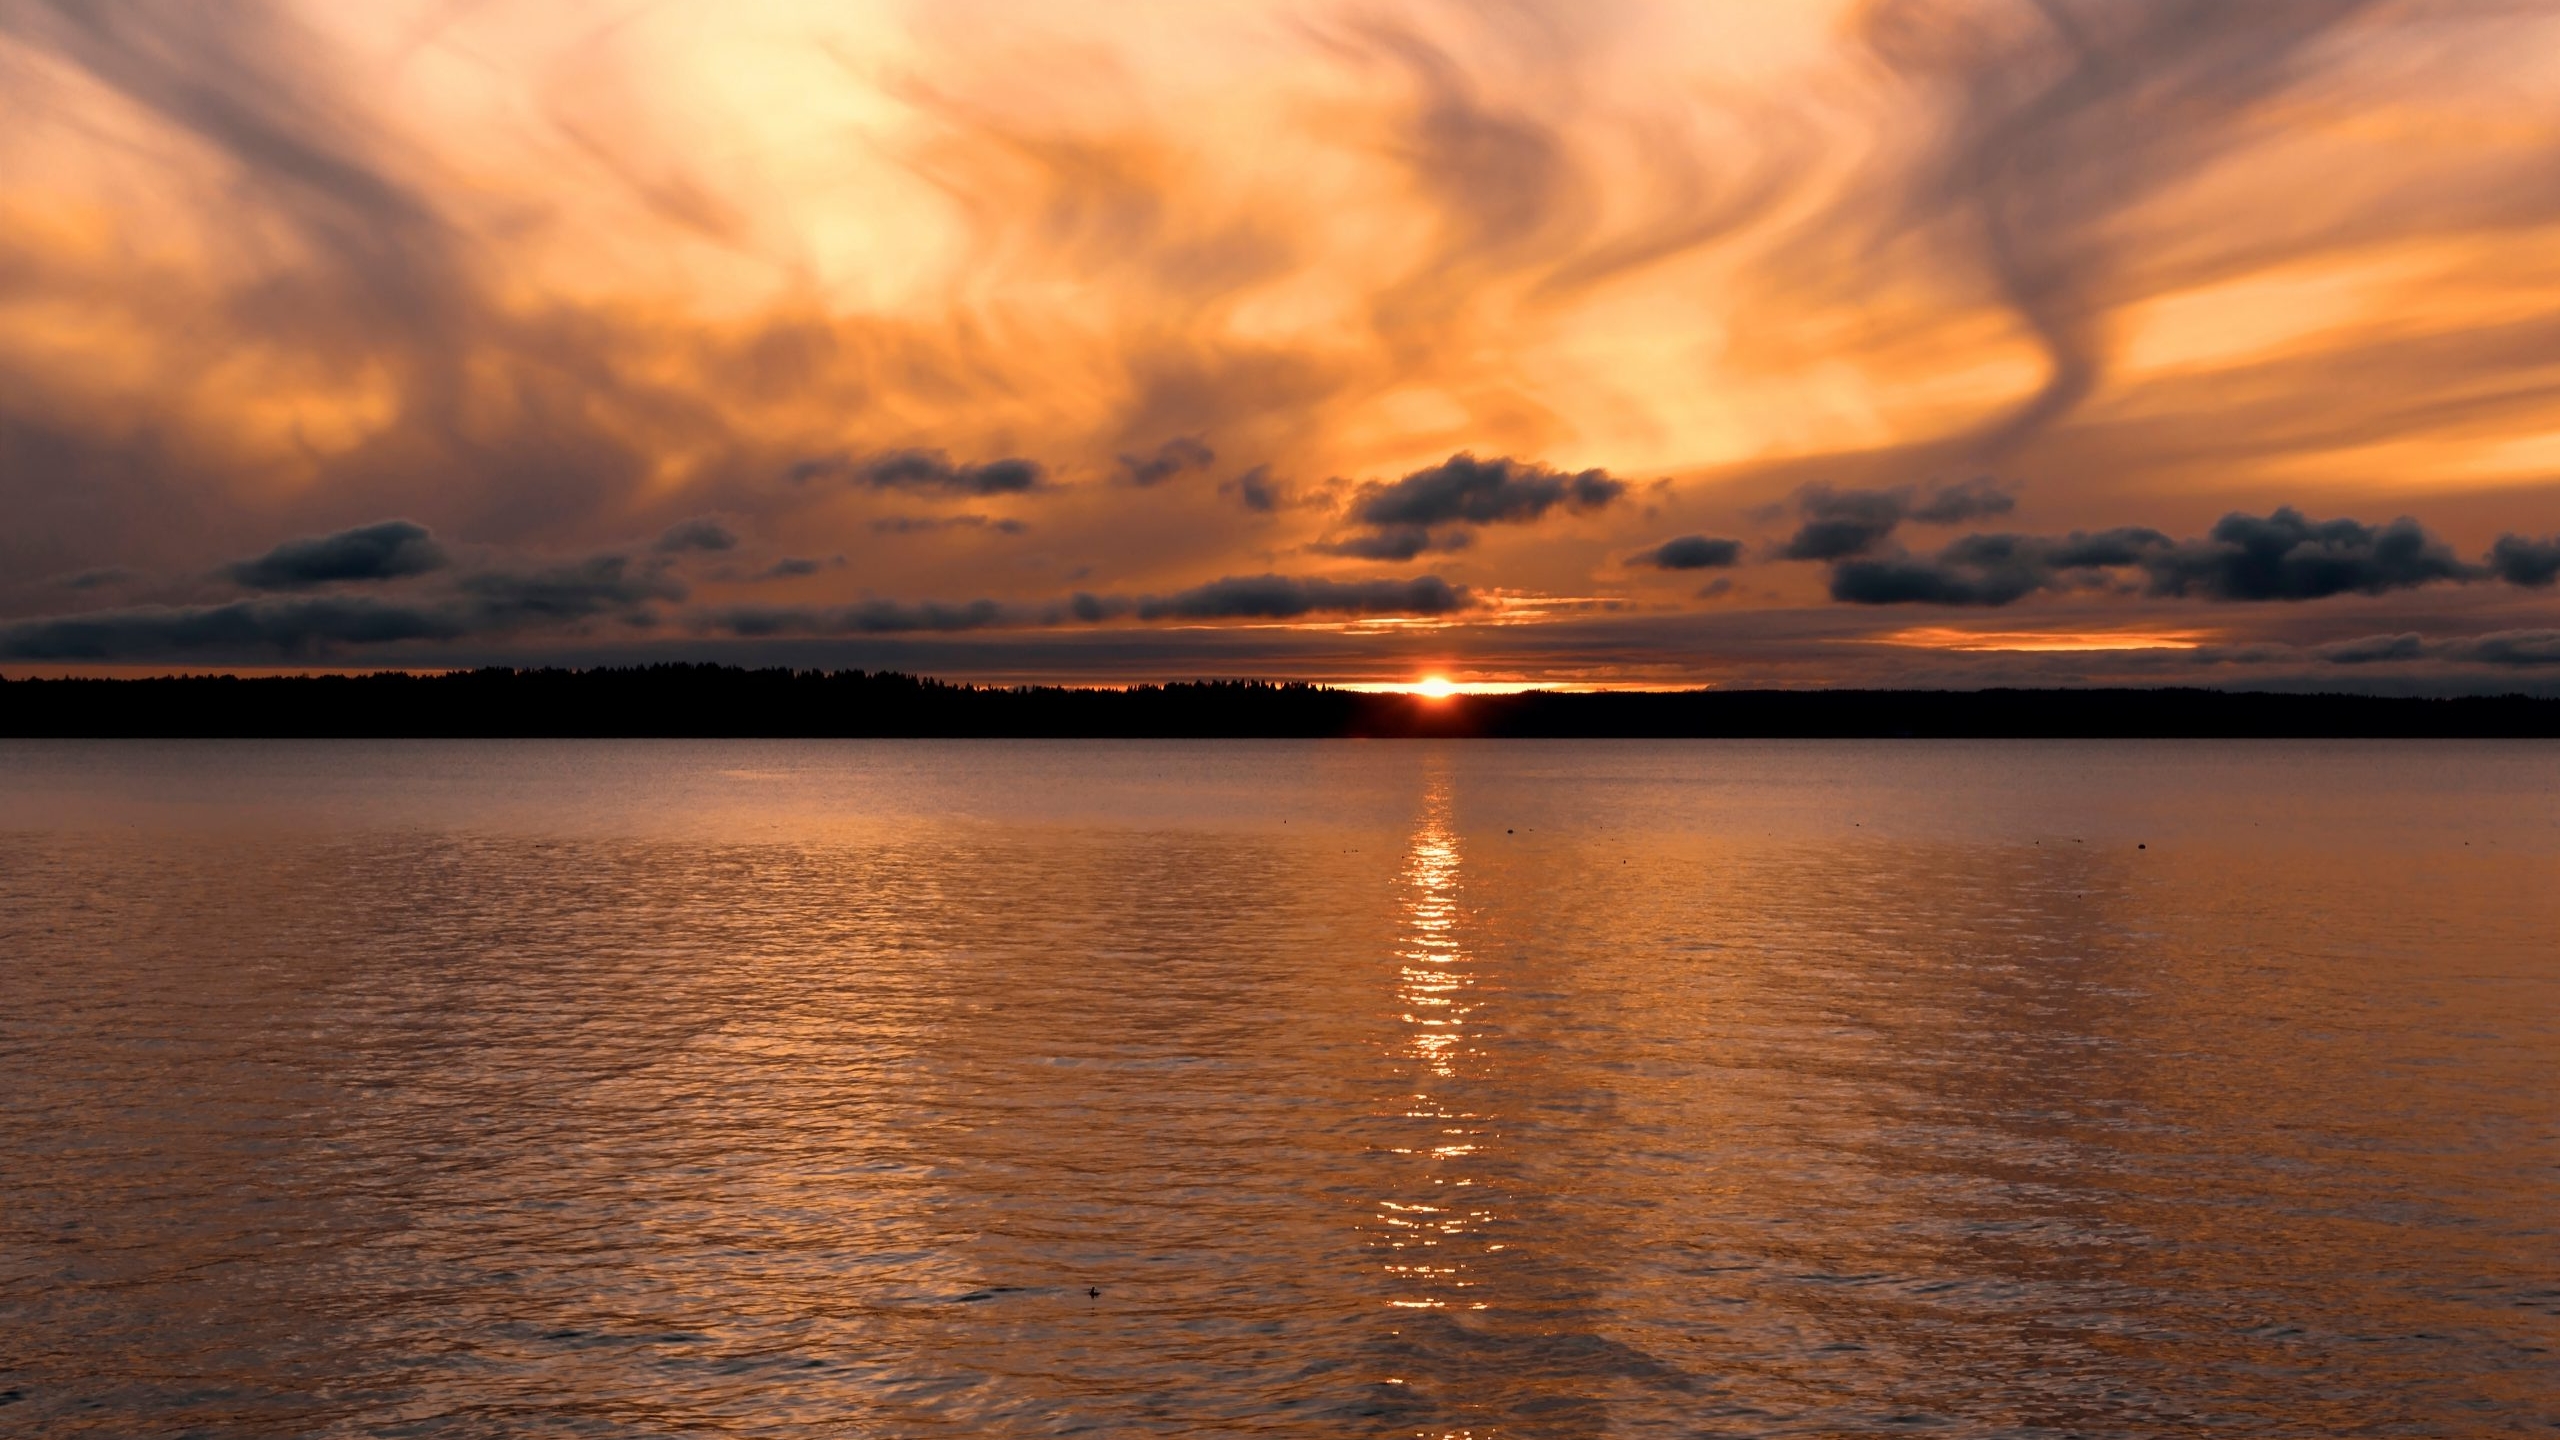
(1378, 1089)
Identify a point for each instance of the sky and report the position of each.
(1877, 342)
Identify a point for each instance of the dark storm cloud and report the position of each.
(560, 600)
(486, 604)
(1993, 569)
(1692, 552)
(1255, 490)
(2509, 647)
(1174, 457)
(926, 524)
(1908, 581)
(98, 579)
(1465, 490)
(702, 534)
(925, 470)
(504, 599)
(2506, 649)
(292, 626)
(389, 550)
(1433, 508)
(1250, 597)
(2285, 556)
(793, 567)
(1842, 523)
(2523, 560)
(1975, 499)
(1284, 597)
(2373, 649)
(870, 617)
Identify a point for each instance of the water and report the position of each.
(1536, 1089)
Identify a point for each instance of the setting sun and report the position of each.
(1435, 687)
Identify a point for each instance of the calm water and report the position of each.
(1537, 1089)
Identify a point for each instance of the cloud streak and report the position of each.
(2282, 556)
(1691, 552)
(926, 471)
(389, 550)
(1234, 598)
(1282, 597)
(1175, 457)
(690, 535)
(2061, 120)
(287, 626)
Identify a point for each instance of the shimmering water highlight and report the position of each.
(1533, 1089)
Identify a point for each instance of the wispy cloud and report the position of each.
(989, 297)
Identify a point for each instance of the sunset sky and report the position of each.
(1729, 342)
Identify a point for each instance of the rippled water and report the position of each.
(1537, 1089)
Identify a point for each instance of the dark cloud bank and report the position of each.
(1692, 552)
(1438, 508)
(392, 583)
(1256, 491)
(503, 601)
(2504, 649)
(287, 626)
(2284, 556)
(100, 578)
(1840, 523)
(1241, 597)
(705, 534)
(1173, 458)
(493, 602)
(927, 524)
(390, 550)
(928, 471)
(1282, 597)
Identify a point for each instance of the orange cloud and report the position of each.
(551, 279)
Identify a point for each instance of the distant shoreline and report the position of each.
(716, 702)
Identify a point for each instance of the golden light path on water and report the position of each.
(1429, 1230)
(896, 1090)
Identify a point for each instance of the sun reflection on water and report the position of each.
(1430, 1231)
(1052, 1088)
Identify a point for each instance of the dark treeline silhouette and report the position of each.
(711, 700)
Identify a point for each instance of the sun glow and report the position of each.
(1441, 687)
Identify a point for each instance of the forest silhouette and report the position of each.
(721, 701)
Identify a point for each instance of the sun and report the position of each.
(1435, 687)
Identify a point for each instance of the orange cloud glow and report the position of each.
(1234, 286)
(1939, 637)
